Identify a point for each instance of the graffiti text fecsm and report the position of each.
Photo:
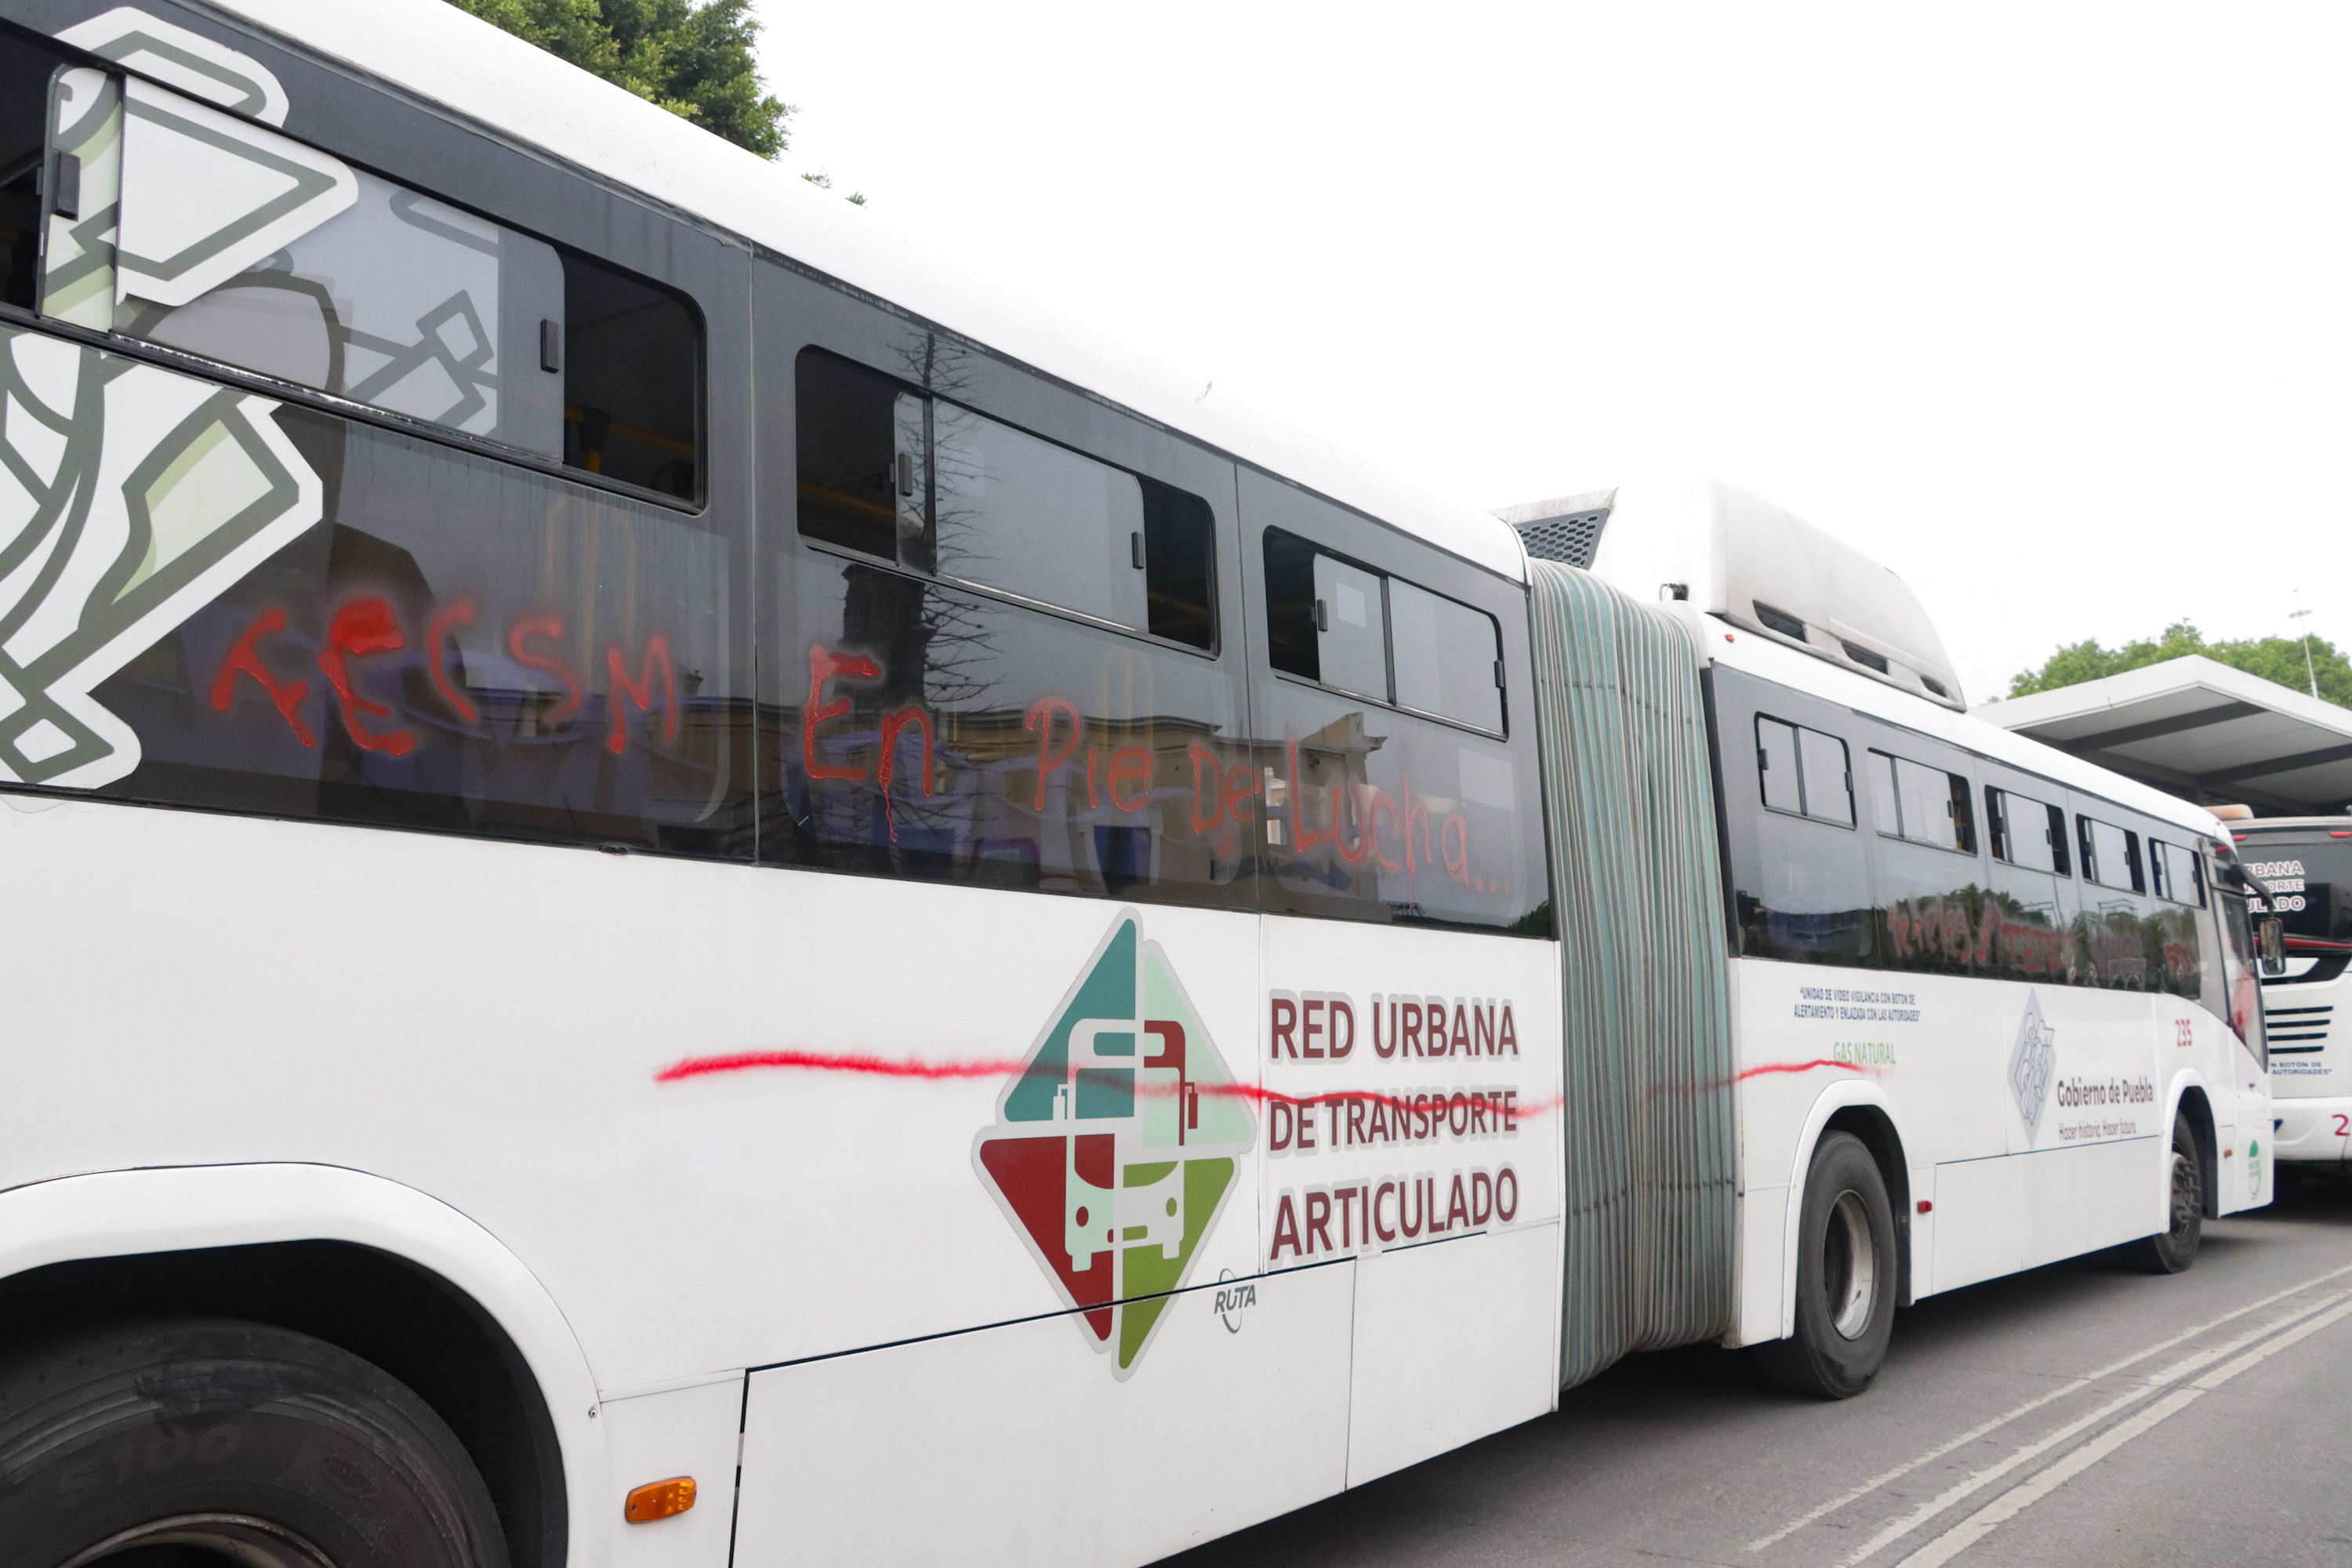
(365, 626)
(1358, 1215)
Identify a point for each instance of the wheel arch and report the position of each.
(383, 1270)
(1855, 1106)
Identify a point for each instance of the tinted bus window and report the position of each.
(1345, 626)
(2032, 901)
(299, 266)
(1800, 890)
(1804, 772)
(24, 68)
(2026, 832)
(1369, 812)
(1448, 657)
(392, 631)
(1924, 805)
(2310, 878)
(938, 489)
(2110, 855)
(934, 733)
(2177, 875)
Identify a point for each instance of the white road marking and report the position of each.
(2028, 1408)
(2024, 1495)
(1918, 1516)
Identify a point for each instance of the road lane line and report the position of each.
(2028, 1408)
(2024, 1495)
(1894, 1531)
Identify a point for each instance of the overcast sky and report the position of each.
(2044, 306)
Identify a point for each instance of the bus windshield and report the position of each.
(2310, 875)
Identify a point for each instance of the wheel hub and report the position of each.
(1850, 1266)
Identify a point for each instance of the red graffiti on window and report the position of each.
(550, 628)
(893, 725)
(641, 691)
(1040, 718)
(361, 627)
(460, 613)
(825, 665)
(243, 657)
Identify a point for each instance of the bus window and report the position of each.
(25, 70)
(1013, 512)
(2176, 874)
(1776, 766)
(301, 268)
(1448, 657)
(2110, 855)
(1805, 772)
(2026, 832)
(853, 430)
(1344, 625)
(1923, 804)
(2309, 874)
(1829, 781)
(457, 644)
(1326, 619)
(1372, 812)
(938, 489)
(2241, 1003)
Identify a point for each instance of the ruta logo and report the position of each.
(1117, 1143)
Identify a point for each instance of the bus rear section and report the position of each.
(2306, 863)
(1986, 1006)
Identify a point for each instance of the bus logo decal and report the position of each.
(130, 498)
(1117, 1143)
(2031, 1065)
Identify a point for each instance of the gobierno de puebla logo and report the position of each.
(1117, 1143)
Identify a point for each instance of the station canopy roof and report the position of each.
(2199, 729)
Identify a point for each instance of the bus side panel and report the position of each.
(1430, 1375)
(1399, 1142)
(1013, 1446)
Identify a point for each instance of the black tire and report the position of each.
(2172, 1250)
(1845, 1300)
(176, 1443)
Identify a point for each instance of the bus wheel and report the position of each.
(203, 1443)
(1845, 1278)
(2175, 1248)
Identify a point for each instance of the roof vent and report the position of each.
(1878, 661)
(1565, 529)
(1753, 564)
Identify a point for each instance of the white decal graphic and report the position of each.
(2032, 1064)
(129, 496)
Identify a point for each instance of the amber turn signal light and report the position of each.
(659, 1499)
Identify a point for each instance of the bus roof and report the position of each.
(441, 54)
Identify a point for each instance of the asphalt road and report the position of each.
(2081, 1414)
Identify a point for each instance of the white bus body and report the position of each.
(680, 895)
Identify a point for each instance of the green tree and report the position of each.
(694, 59)
(2274, 658)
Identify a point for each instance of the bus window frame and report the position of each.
(382, 118)
(1212, 653)
(1388, 635)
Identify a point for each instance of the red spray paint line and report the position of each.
(886, 1067)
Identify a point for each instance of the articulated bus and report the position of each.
(2305, 866)
(681, 894)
